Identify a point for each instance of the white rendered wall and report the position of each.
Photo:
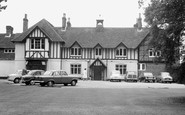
(19, 56)
(54, 64)
(67, 63)
(6, 67)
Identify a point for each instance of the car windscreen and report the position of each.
(148, 74)
(48, 73)
(31, 72)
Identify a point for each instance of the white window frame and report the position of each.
(153, 53)
(122, 68)
(142, 66)
(9, 50)
(75, 51)
(76, 69)
(121, 52)
(35, 45)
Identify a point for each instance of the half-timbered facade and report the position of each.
(97, 50)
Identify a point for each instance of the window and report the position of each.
(98, 51)
(75, 51)
(9, 51)
(75, 68)
(121, 68)
(122, 52)
(142, 66)
(153, 53)
(37, 44)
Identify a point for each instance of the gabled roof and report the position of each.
(108, 38)
(5, 42)
(46, 27)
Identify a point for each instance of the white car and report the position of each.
(165, 78)
(16, 77)
(147, 77)
(116, 76)
(131, 76)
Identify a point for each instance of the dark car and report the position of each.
(56, 77)
(30, 77)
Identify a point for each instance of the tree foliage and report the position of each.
(2, 7)
(167, 20)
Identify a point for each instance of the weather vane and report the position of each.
(2, 7)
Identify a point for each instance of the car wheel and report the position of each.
(50, 84)
(65, 84)
(73, 83)
(16, 80)
(32, 82)
(42, 84)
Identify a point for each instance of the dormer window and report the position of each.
(121, 52)
(153, 53)
(37, 44)
(98, 51)
(76, 51)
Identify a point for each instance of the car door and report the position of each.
(57, 77)
(65, 77)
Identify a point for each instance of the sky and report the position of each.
(82, 13)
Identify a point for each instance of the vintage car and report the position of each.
(147, 77)
(131, 76)
(116, 76)
(17, 76)
(164, 77)
(52, 77)
(29, 78)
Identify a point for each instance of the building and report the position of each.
(97, 49)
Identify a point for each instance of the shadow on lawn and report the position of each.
(175, 100)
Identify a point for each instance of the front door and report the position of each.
(98, 70)
(97, 73)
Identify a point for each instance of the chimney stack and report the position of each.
(9, 31)
(25, 23)
(139, 22)
(64, 22)
(68, 24)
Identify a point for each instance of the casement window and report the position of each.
(37, 44)
(75, 68)
(98, 51)
(9, 51)
(142, 67)
(121, 52)
(122, 68)
(76, 51)
(153, 53)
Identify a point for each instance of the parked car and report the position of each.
(147, 77)
(17, 76)
(116, 76)
(164, 77)
(56, 77)
(29, 78)
(131, 76)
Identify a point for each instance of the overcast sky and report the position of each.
(83, 13)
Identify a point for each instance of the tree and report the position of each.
(167, 21)
(2, 7)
